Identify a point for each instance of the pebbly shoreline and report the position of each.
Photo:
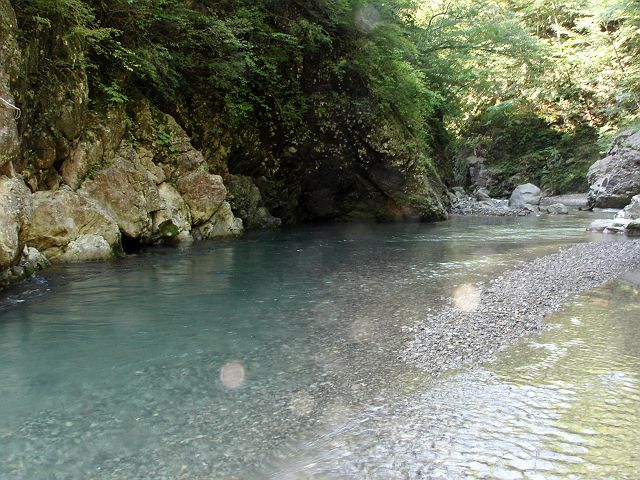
(483, 319)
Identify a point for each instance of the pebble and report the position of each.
(515, 303)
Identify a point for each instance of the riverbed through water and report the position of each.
(276, 356)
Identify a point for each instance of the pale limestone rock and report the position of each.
(85, 248)
(128, 194)
(631, 211)
(174, 218)
(66, 224)
(222, 224)
(15, 213)
(203, 192)
(527, 194)
(557, 209)
(615, 179)
(599, 225)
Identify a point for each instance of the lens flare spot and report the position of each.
(367, 18)
(466, 297)
(232, 375)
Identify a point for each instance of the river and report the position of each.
(275, 356)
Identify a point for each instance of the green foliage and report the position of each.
(522, 145)
(341, 84)
(114, 93)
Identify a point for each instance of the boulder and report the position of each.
(222, 224)
(69, 227)
(631, 211)
(557, 209)
(523, 195)
(15, 213)
(32, 261)
(128, 194)
(482, 195)
(609, 226)
(174, 218)
(203, 192)
(599, 225)
(615, 179)
(633, 228)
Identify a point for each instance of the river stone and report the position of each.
(631, 211)
(33, 261)
(615, 179)
(599, 225)
(523, 195)
(203, 192)
(15, 213)
(66, 226)
(557, 209)
(128, 193)
(482, 195)
(222, 224)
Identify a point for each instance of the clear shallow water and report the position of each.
(274, 356)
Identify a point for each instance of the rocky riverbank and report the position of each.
(482, 319)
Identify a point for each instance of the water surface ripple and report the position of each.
(275, 356)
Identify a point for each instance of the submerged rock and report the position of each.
(626, 220)
(615, 179)
(523, 195)
(557, 209)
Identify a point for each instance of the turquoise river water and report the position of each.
(275, 356)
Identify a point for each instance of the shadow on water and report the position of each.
(230, 359)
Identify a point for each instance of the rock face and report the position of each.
(631, 211)
(9, 64)
(615, 179)
(69, 227)
(15, 213)
(523, 195)
(478, 173)
(626, 220)
(246, 202)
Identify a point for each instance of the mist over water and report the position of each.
(275, 356)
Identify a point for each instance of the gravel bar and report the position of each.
(485, 318)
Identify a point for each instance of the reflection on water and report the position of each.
(565, 404)
(233, 359)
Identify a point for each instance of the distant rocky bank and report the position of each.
(483, 319)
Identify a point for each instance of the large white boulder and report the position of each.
(523, 195)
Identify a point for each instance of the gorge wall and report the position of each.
(96, 161)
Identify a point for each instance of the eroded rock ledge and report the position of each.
(145, 185)
(483, 319)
